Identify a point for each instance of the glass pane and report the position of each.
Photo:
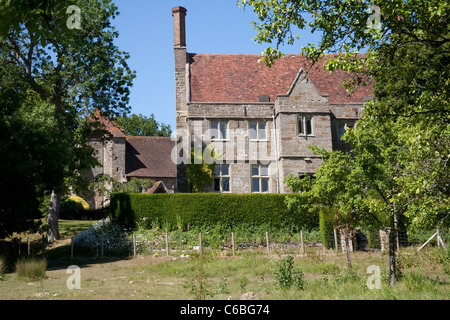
(265, 171)
(217, 170)
(253, 133)
(300, 126)
(255, 184)
(265, 185)
(255, 170)
(223, 130)
(262, 131)
(341, 131)
(217, 184)
(225, 184)
(214, 132)
(308, 126)
(225, 170)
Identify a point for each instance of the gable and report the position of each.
(241, 79)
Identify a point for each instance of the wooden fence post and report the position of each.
(43, 244)
(71, 248)
(167, 244)
(267, 242)
(101, 249)
(201, 244)
(134, 246)
(232, 244)
(29, 246)
(302, 243)
(335, 240)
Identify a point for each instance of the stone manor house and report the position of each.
(260, 120)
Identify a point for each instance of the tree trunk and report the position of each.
(53, 217)
(392, 242)
(347, 249)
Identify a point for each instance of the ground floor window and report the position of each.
(260, 178)
(221, 178)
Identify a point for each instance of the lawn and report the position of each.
(220, 276)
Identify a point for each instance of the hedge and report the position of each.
(206, 208)
(326, 226)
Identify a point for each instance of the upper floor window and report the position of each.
(342, 128)
(260, 178)
(257, 131)
(219, 130)
(305, 126)
(221, 178)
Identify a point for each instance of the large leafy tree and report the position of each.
(74, 68)
(141, 125)
(401, 148)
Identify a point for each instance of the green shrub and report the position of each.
(71, 209)
(31, 269)
(197, 209)
(286, 275)
(326, 226)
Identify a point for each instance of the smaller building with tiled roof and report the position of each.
(150, 158)
(123, 157)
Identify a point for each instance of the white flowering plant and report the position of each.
(116, 240)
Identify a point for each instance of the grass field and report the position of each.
(218, 276)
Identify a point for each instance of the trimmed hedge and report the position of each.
(326, 226)
(206, 209)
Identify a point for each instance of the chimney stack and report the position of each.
(179, 15)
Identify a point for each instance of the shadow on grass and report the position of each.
(60, 258)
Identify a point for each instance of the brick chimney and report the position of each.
(179, 17)
(181, 92)
(179, 28)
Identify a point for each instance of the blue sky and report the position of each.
(146, 31)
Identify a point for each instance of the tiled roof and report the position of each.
(107, 124)
(150, 157)
(240, 78)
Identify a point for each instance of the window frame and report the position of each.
(219, 131)
(304, 121)
(220, 177)
(260, 178)
(258, 137)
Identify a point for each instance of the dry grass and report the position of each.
(174, 278)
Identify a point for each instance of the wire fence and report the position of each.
(171, 243)
(178, 242)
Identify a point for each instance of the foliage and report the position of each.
(200, 171)
(140, 125)
(204, 209)
(115, 239)
(286, 275)
(28, 163)
(31, 269)
(70, 209)
(74, 72)
(326, 226)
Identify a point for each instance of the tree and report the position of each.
(406, 59)
(140, 125)
(75, 70)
